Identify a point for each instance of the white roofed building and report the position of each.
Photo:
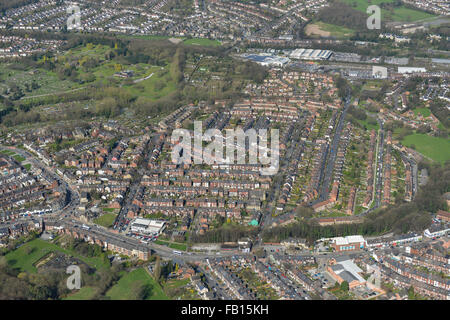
(147, 226)
(348, 243)
(311, 54)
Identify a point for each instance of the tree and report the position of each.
(411, 294)
(157, 270)
(344, 286)
(139, 291)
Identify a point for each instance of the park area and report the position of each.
(81, 67)
(28, 255)
(394, 13)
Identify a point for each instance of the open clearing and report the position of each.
(121, 291)
(202, 42)
(437, 149)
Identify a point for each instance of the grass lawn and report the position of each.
(425, 112)
(369, 126)
(85, 293)
(202, 42)
(334, 30)
(121, 290)
(24, 260)
(106, 220)
(27, 166)
(435, 148)
(177, 283)
(149, 88)
(400, 13)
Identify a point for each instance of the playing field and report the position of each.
(202, 42)
(121, 291)
(437, 149)
(400, 13)
(323, 29)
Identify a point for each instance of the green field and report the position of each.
(437, 149)
(85, 293)
(24, 257)
(192, 41)
(335, 30)
(106, 220)
(159, 85)
(400, 13)
(202, 42)
(121, 291)
(19, 158)
(425, 112)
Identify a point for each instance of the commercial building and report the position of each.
(147, 226)
(348, 243)
(267, 60)
(404, 70)
(311, 54)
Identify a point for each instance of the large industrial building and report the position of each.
(267, 60)
(147, 226)
(311, 54)
(344, 269)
